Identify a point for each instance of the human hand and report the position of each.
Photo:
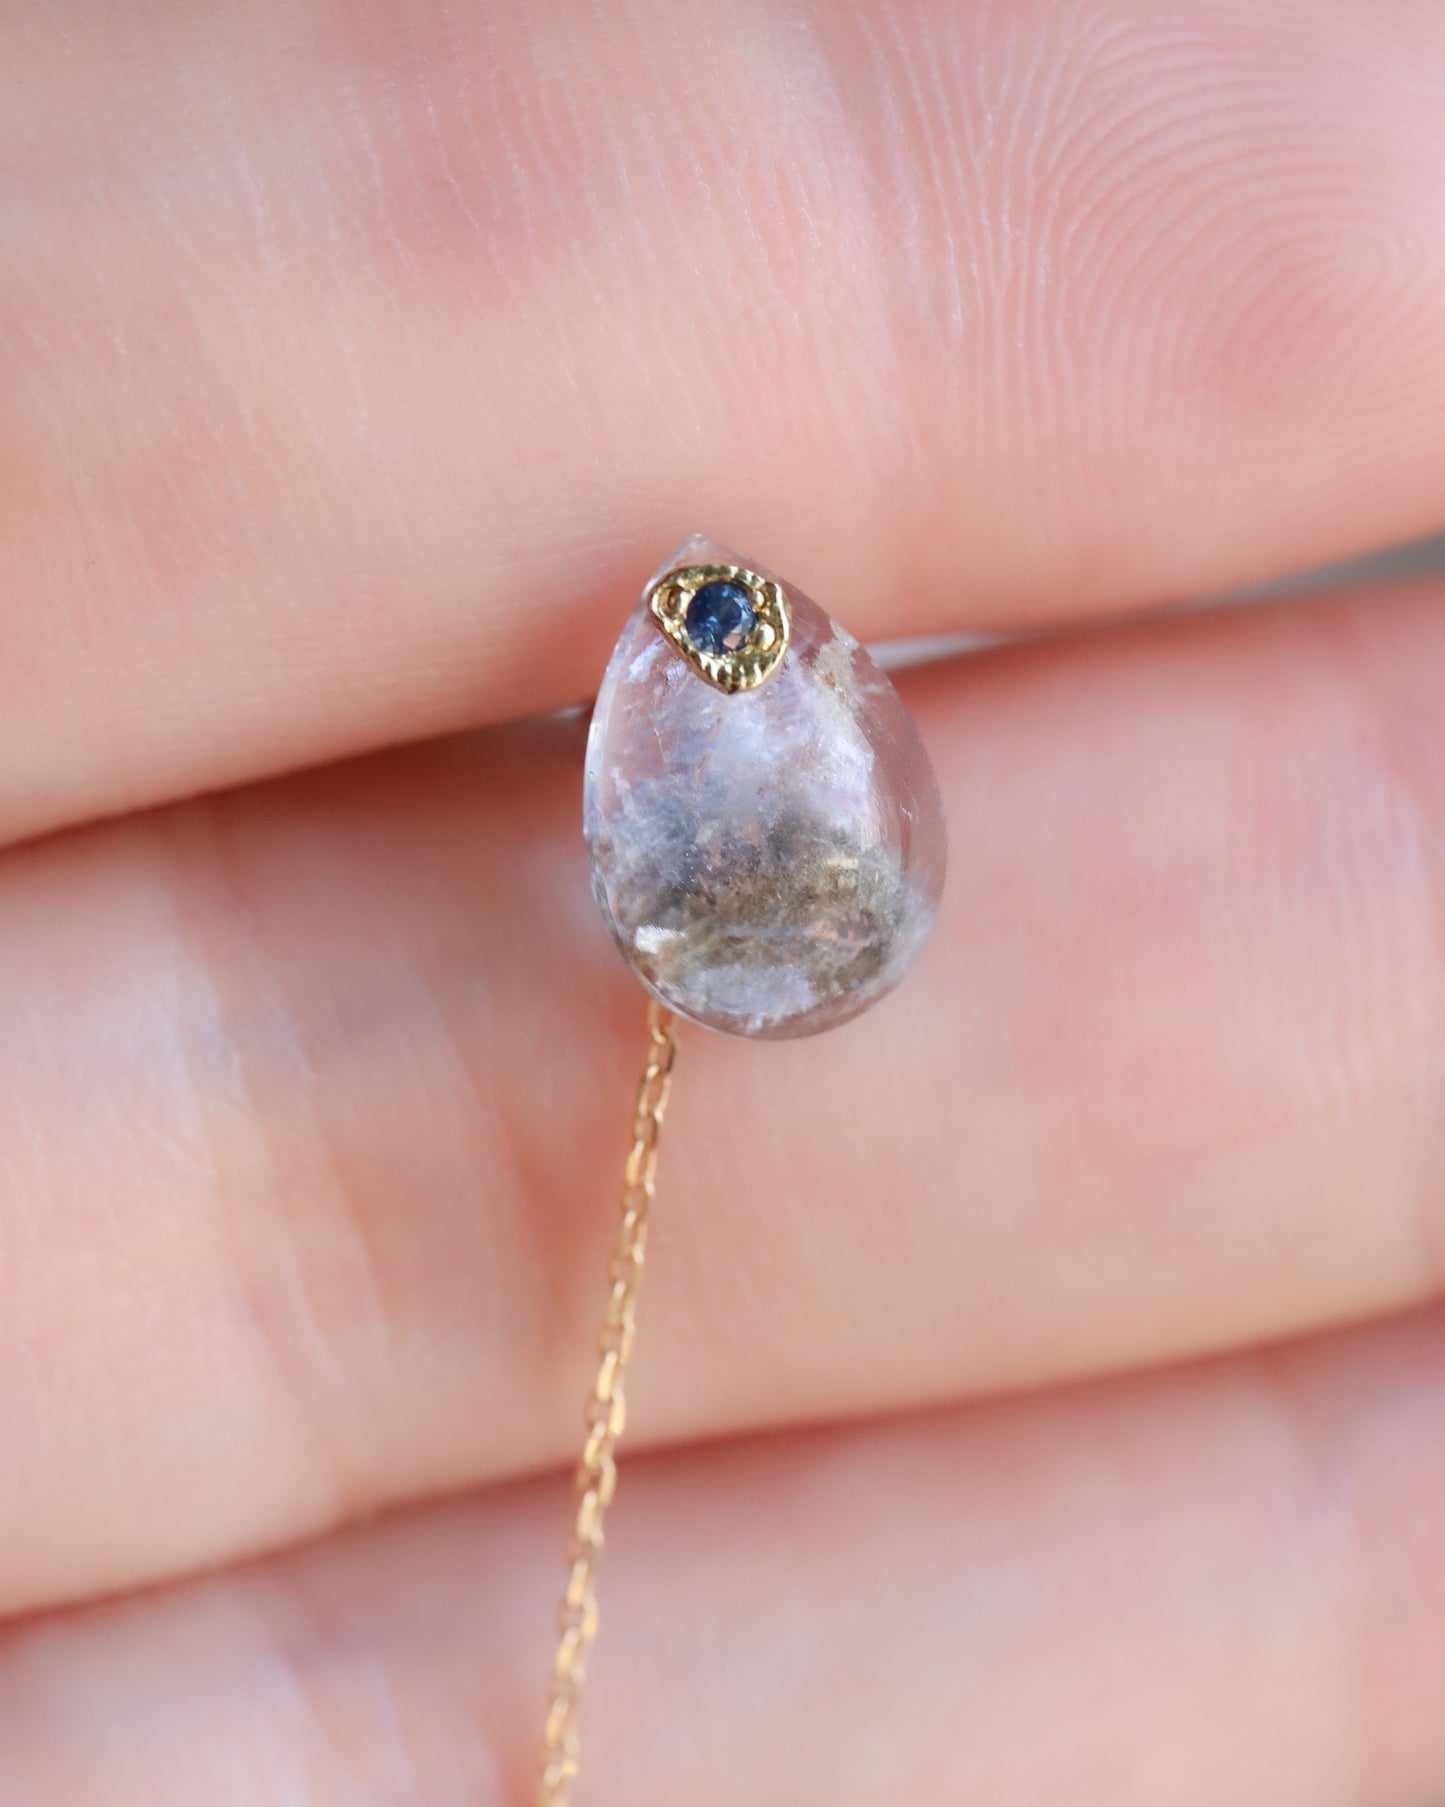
(358, 362)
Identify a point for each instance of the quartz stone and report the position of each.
(769, 862)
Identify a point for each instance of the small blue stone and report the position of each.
(719, 617)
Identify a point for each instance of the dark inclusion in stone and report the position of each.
(719, 617)
(769, 862)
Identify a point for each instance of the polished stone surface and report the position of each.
(769, 863)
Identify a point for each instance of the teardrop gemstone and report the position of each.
(769, 860)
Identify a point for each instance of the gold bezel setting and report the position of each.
(746, 666)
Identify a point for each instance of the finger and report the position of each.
(359, 365)
(317, 1096)
(1217, 1585)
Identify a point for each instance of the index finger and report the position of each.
(359, 361)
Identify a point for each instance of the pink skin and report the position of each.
(340, 347)
(1220, 1585)
(333, 335)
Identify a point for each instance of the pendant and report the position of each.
(767, 848)
(765, 829)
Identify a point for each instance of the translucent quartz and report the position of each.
(770, 863)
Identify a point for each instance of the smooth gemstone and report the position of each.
(770, 862)
(719, 617)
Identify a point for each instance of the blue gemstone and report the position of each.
(719, 617)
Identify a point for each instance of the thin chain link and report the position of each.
(606, 1416)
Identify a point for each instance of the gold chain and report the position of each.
(606, 1415)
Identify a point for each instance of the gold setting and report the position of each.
(752, 663)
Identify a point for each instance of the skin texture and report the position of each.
(1048, 1403)
(343, 343)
